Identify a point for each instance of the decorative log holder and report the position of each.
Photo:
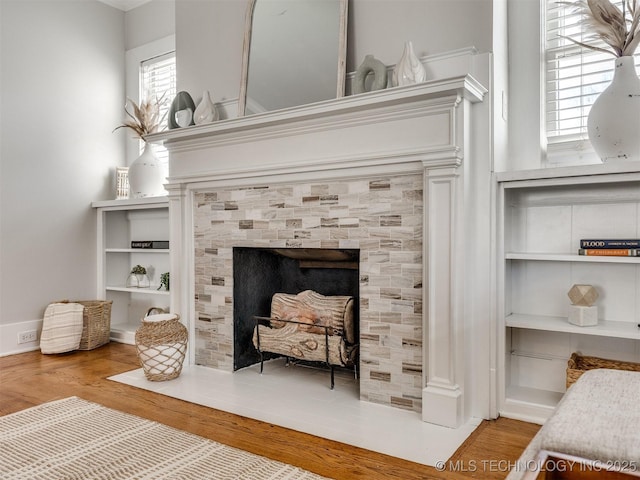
(319, 340)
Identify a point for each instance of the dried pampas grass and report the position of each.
(619, 29)
(144, 118)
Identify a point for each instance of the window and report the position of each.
(158, 80)
(575, 76)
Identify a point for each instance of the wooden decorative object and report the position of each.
(583, 295)
(122, 183)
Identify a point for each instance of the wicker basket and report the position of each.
(96, 323)
(161, 343)
(578, 364)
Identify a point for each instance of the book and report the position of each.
(610, 252)
(149, 243)
(610, 243)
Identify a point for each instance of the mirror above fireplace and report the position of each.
(294, 54)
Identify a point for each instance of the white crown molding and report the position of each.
(124, 5)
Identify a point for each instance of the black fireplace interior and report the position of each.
(259, 273)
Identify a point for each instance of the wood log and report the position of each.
(292, 342)
(315, 310)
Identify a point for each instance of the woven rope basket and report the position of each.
(96, 323)
(578, 364)
(161, 342)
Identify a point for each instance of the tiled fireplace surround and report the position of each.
(382, 217)
(382, 172)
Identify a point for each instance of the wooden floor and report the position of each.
(31, 378)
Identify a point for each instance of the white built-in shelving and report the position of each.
(119, 222)
(542, 215)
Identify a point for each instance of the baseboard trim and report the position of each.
(9, 337)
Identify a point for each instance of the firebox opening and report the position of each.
(259, 273)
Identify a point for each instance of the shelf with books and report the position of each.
(137, 250)
(569, 257)
(541, 222)
(119, 223)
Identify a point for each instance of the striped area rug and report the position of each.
(76, 439)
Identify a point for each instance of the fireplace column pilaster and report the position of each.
(443, 393)
(180, 260)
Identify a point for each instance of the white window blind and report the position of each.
(575, 76)
(158, 81)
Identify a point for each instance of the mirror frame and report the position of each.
(246, 50)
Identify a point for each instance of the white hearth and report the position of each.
(399, 174)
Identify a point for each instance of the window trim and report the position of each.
(133, 58)
(528, 145)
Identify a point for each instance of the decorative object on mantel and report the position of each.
(409, 69)
(122, 183)
(146, 173)
(206, 111)
(370, 65)
(138, 278)
(161, 343)
(181, 111)
(582, 311)
(613, 124)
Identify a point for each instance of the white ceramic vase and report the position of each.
(205, 111)
(409, 69)
(146, 175)
(614, 120)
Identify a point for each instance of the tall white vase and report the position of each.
(409, 69)
(614, 120)
(147, 175)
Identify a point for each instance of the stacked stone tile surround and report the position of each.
(382, 216)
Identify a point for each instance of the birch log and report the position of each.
(306, 340)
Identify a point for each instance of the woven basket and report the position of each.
(96, 323)
(161, 344)
(578, 364)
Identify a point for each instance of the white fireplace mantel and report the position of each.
(423, 128)
(374, 128)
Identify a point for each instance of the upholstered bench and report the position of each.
(598, 419)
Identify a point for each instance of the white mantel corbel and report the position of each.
(417, 129)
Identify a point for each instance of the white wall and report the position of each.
(209, 36)
(149, 22)
(62, 90)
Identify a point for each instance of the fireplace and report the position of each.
(261, 273)
(373, 225)
(402, 176)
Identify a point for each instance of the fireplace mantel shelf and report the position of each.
(466, 87)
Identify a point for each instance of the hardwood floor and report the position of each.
(31, 378)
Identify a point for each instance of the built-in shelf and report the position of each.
(152, 290)
(119, 222)
(551, 210)
(136, 250)
(127, 203)
(543, 398)
(561, 257)
(604, 328)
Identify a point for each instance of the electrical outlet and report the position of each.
(27, 337)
